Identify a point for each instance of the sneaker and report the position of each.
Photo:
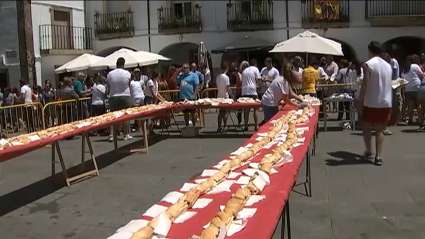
(190, 122)
(378, 161)
(387, 132)
(111, 138)
(421, 129)
(128, 137)
(366, 155)
(220, 130)
(133, 130)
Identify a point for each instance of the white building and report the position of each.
(59, 34)
(174, 28)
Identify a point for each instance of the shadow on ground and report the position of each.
(345, 158)
(23, 196)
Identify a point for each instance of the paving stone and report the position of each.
(349, 200)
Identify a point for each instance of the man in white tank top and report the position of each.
(376, 95)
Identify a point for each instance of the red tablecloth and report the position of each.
(16, 151)
(263, 223)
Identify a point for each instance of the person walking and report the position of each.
(376, 99)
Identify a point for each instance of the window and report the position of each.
(183, 9)
(61, 16)
(246, 8)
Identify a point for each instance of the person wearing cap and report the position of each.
(376, 100)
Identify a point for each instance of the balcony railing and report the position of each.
(114, 25)
(325, 14)
(178, 20)
(62, 39)
(395, 12)
(250, 16)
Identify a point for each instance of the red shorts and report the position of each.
(376, 115)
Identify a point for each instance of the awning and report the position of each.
(245, 44)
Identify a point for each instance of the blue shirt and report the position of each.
(187, 84)
(200, 76)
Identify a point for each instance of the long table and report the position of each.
(16, 151)
(262, 225)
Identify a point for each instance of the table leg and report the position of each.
(325, 116)
(114, 135)
(286, 222)
(175, 123)
(315, 136)
(55, 145)
(353, 116)
(288, 219)
(94, 172)
(53, 160)
(308, 174)
(83, 151)
(145, 144)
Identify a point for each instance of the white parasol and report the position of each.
(157, 56)
(309, 42)
(80, 63)
(132, 59)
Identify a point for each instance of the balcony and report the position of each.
(322, 14)
(250, 16)
(395, 13)
(114, 25)
(180, 19)
(56, 39)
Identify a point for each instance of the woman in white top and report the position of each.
(279, 90)
(151, 91)
(413, 75)
(136, 90)
(355, 75)
(223, 91)
(98, 98)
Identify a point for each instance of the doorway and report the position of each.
(4, 79)
(61, 29)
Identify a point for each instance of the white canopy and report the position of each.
(309, 42)
(157, 56)
(80, 63)
(132, 59)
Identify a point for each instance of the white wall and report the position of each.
(215, 33)
(41, 16)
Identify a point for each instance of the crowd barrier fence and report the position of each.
(21, 118)
(66, 111)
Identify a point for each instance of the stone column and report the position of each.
(26, 41)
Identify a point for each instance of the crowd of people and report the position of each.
(121, 88)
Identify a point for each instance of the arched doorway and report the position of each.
(401, 47)
(182, 52)
(349, 52)
(108, 51)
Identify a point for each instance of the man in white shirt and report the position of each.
(26, 97)
(376, 99)
(331, 68)
(118, 82)
(207, 75)
(223, 91)
(250, 76)
(268, 74)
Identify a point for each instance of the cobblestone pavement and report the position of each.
(350, 200)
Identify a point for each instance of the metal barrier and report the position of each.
(173, 95)
(65, 111)
(22, 118)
